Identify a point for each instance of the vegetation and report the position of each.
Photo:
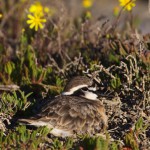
(41, 48)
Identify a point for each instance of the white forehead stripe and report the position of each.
(72, 90)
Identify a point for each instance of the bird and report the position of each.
(76, 111)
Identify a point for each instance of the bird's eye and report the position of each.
(85, 88)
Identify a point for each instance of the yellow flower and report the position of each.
(88, 15)
(128, 4)
(1, 15)
(23, 30)
(46, 9)
(36, 8)
(87, 3)
(116, 11)
(35, 21)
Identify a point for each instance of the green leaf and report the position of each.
(115, 83)
(9, 67)
(139, 124)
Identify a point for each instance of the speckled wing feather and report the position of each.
(72, 114)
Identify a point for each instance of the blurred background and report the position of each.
(104, 9)
(100, 9)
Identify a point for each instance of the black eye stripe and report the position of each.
(85, 88)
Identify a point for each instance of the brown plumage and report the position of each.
(68, 115)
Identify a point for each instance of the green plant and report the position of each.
(98, 143)
(114, 146)
(22, 138)
(11, 102)
(131, 141)
(115, 83)
(140, 126)
(132, 138)
(57, 144)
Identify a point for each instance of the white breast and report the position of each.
(90, 95)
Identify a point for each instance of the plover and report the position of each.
(69, 114)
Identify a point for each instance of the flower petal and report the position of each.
(36, 27)
(32, 25)
(30, 21)
(30, 16)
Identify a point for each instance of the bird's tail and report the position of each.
(32, 122)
